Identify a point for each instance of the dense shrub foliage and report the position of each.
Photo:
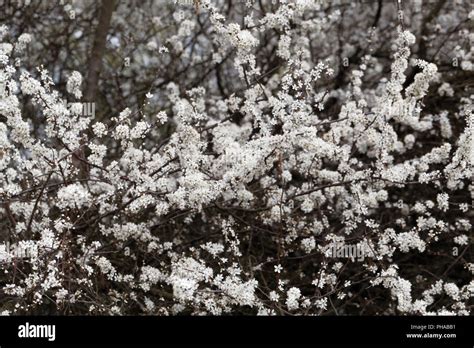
(213, 157)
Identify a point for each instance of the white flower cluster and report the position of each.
(73, 196)
(74, 84)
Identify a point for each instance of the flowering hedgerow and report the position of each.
(232, 148)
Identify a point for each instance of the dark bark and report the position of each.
(98, 49)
